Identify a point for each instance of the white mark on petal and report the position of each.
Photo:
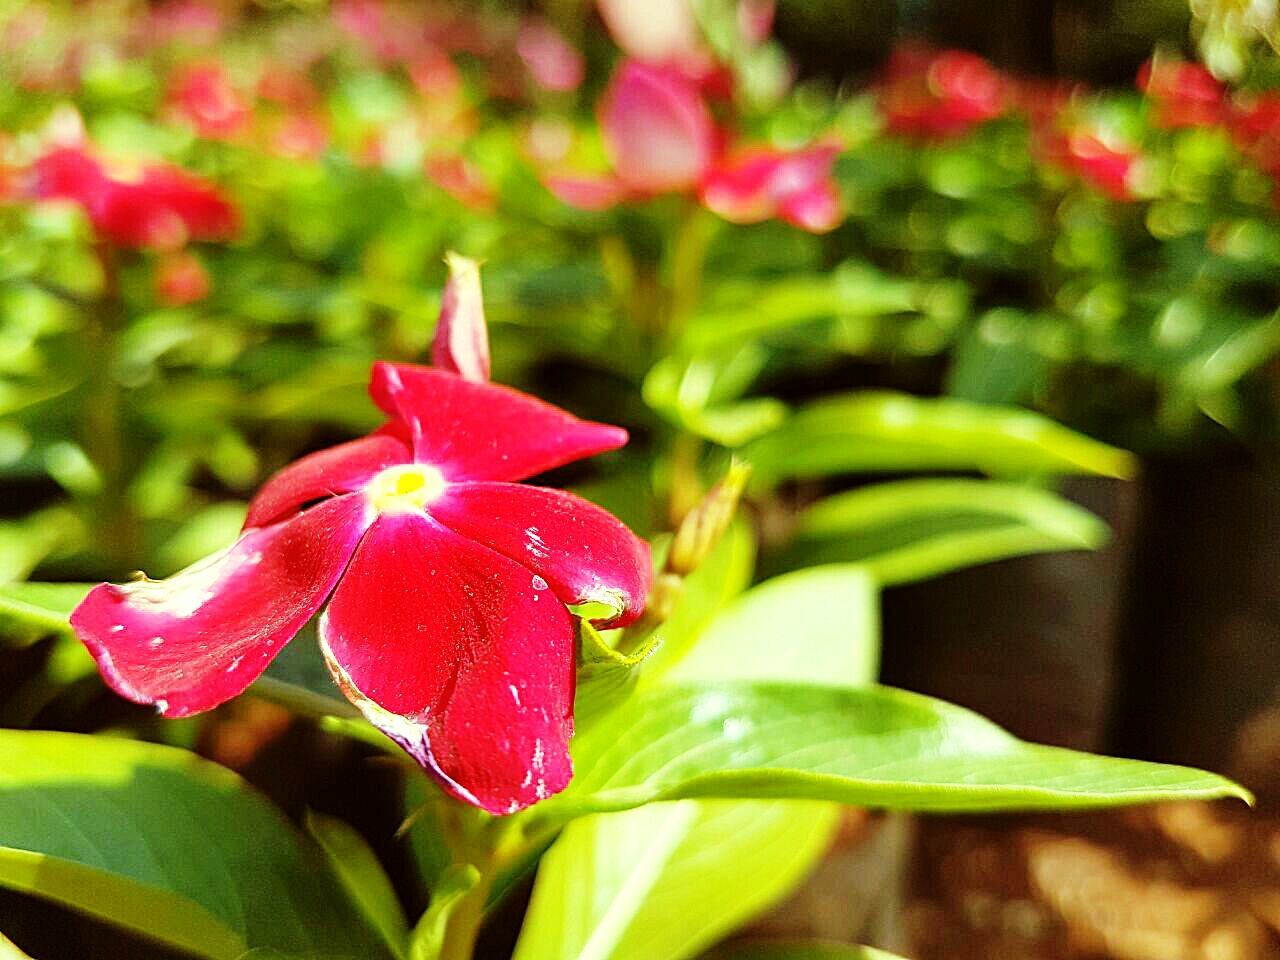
(539, 583)
(231, 667)
(515, 693)
(536, 545)
(162, 705)
(155, 643)
(117, 628)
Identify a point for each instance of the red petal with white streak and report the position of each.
(197, 639)
(482, 431)
(583, 552)
(337, 470)
(453, 652)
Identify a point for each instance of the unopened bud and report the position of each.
(702, 527)
(461, 342)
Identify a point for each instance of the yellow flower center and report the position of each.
(405, 489)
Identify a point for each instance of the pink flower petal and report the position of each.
(337, 470)
(583, 552)
(816, 209)
(550, 59)
(482, 431)
(461, 343)
(762, 182)
(659, 134)
(197, 639)
(588, 193)
(455, 653)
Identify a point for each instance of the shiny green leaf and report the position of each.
(818, 625)
(166, 845)
(875, 746)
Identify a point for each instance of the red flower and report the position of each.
(460, 178)
(940, 95)
(661, 138)
(1109, 169)
(447, 584)
(762, 183)
(181, 279)
(161, 208)
(1255, 128)
(1184, 94)
(204, 97)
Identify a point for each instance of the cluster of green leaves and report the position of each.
(723, 750)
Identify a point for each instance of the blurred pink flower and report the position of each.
(658, 133)
(761, 183)
(198, 23)
(552, 62)
(204, 96)
(298, 135)
(660, 138)
(459, 178)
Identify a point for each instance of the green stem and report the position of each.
(111, 513)
(688, 257)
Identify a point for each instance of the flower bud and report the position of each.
(461, 342)
(702, 527)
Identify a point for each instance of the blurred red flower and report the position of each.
(161, 207)
(204, 97)
(181, 279)
(940, 94)
(1184, 94)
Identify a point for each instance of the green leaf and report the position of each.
(799, 951)
(428, 935)
(912, 529)
(666, 880)
(663, 881)
(358, 870)
(875, 747)
(818, 625)
(605, 676)
(39, 609)
(745, 309)
(890, 432)
(167, 845)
